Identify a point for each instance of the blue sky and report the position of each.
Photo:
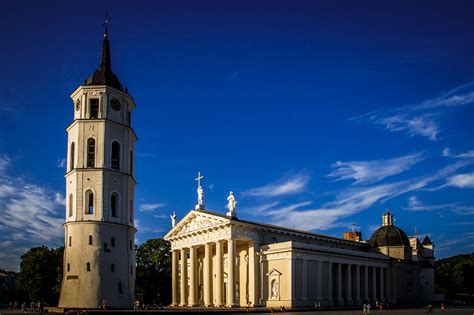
(317, 115)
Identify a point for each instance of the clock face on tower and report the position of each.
(115, 104)
(78, 105)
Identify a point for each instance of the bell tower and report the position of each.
(99, 257)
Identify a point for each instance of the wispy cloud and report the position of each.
(355, 199)
(421, 119)
(149, 207)
(61, 163)
(4, 162)
(415, 204)
(30, 215)
(464, 155)
(375, 170)
(291, 184)
(461, 181)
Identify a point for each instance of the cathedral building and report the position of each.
(222, 261)
(99, 233)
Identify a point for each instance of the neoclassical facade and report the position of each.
(222, 261)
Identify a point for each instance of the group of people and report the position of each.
(367, 307)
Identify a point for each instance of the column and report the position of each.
(382, 297)
(174, 278)
(357, 286)
(340, 301)
(366, 284)
(304, 295)
(184, 278)
(207, 275)
(330, 299)
(349, 300)
(219, 275)
(254, 277)
(319, 294)
(374, 284)
(192, 277)
(230, 273)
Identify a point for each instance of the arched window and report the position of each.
(91, 152)
(89, 202)
(71, 202)
(71, 158)
(88, 266)
(90, 239)
(114, 205)
(94, 108)
(115, 155)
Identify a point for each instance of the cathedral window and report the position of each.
(112, 267)
(70, 240)
(130, 245)
(71, 202)
(113, 205)
(89, 202)
(131, 210)
(90, 239)
(68, 267)
(112, 242)
(115, 155)
(94, 108)
(129, 118)
(131, 270)
(106, 248)
(131, 163)
(88, 266)
(91, 152)
(71, 159)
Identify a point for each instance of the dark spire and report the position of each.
(105, 61)
(104, 75)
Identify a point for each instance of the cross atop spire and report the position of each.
(106, 24)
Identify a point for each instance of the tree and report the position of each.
(40, 274)
(154, 271)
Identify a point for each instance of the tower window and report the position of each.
(112, 267)
(94, 108)
(70, 240)
(131, 270)
(88, 266)
(130, 245)
(113, 205)
(131, 210)
(68, 267)
(112, 242)
(106, 248)
(91, 152)
(71, 202)
(89, 202)
(71, 159)
(120, 288)
(90, 239)
(115, 155)
(129, 118)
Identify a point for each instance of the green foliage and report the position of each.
(154, 271)
(40, 274)
(454, 275)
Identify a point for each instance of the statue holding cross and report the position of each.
(200, 193)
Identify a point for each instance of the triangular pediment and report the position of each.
(274, 272)
(195, 221)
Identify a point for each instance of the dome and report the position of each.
(389, 235)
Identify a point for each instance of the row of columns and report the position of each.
(346, 284)
(191, 298)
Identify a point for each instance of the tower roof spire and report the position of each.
(104, 75)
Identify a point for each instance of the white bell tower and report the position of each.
(99, 257)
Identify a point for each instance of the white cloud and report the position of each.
(373, 171)
(289, 185)
(424, 125)
(415, 204)
(461, 181)
(420, 119)
(149, 207)
(465, 155)
(30, 215)
(355, 199)
(61, 163)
